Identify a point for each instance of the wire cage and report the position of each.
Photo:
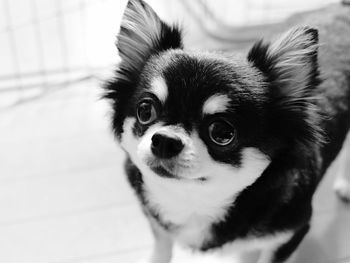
(49, 44)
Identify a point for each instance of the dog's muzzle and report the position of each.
(165, 146)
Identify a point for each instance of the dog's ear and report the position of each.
(143, 34)
(290, 62)
(290, 67)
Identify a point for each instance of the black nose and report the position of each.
(166, 147)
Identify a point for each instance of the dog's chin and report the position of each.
(171, 170)
(164, 172)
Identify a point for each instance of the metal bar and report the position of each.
(83, 20)
(56, 84)
(39, 42)
(63, 39)
(13, 46)
(66, 11)
(53, 71)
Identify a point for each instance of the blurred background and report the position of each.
(63, 195)
(49, 44)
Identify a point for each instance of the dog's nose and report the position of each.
(165, 147)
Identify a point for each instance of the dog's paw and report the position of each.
(342, 189)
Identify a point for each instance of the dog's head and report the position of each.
(195, 116)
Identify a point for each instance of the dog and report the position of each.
(228, 149)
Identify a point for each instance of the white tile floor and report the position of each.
(64, 198)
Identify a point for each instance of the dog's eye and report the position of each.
(146, 112)
(221, 133)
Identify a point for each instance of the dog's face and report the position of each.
(197, 116)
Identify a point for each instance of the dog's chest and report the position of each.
(191, 208)
(190, 211)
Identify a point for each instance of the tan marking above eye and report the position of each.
(216, 103)
(160, 89)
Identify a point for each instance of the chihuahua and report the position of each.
(228, 149)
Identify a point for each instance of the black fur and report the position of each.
(288, 127)
(284, 252)
(297, 121)
(121, 88)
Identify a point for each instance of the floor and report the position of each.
(64, 198)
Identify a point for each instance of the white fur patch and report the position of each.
(267, 243)
(216, 103)
(188, 202)
(160, 89)
(291, 52)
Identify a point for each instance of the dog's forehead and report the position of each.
(192, 86)
(193, 83)
(211, 102)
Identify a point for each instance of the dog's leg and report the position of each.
(342, 181)
(163, 244)
(266, 256)
(283, 252)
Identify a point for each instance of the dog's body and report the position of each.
(226, 150)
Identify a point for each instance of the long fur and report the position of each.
(291, 69)
(142, 34)
(286, 106)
